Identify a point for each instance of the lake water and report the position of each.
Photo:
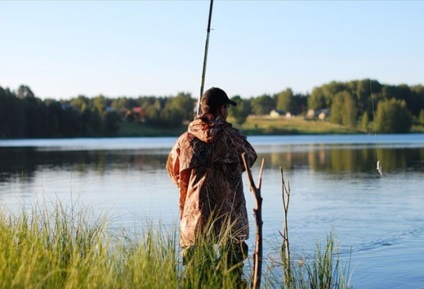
(378, 220)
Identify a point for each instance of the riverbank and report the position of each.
(256, 125)
(266, 125)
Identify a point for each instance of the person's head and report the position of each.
(216, 102)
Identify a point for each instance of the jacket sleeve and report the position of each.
(173, 164)
(251, 155)
(178, 175)
(243, 146)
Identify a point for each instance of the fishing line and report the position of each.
(378, 166)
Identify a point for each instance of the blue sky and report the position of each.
(130, 48)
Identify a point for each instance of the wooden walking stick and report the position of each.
(257, 212)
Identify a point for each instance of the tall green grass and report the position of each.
(323, 270)
(65, 248)
(68, 248)
(54, 246)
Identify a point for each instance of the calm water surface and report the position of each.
(378, 220)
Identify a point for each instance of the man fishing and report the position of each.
(206, 165)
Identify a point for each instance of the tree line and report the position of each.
(363, 104)
(390, 108)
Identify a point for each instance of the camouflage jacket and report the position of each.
(206, 165)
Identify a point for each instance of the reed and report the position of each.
(326, 270)
(56, 246)
(321, 270)
(66, 247)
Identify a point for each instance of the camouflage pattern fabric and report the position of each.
(206, 165)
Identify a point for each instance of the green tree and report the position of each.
(241, 111)
(343, 109)
(99, 103)
(175, 111)
(35, 112)
(70, 123)
(285, 100)
(121, 104)
(417, 96)
(81, 103)
(152, 109)
(336, 110)
(393, 116)
(322, 97)
(317, 99)
(146, 101)
(362, 91)
(183, 104)
(421, 117)
(95, 124)
(24, 92)
(365, 121)
(12, 115)
(112, 119)
(299, 104)
(169, 117)
(35, 117)
(262, 105)
(54, 116)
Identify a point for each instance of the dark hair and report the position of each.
(213, 98)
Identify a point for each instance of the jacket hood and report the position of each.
(206, 128)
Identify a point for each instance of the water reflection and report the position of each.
(23, 163)
(335, 159)
(324, 158)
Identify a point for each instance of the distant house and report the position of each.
(324, 114)
(321, 114)
(277, 113)
(136, 113)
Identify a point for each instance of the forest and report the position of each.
(363, 104)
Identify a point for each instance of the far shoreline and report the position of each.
(258, 125)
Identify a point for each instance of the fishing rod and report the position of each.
(205, 56)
